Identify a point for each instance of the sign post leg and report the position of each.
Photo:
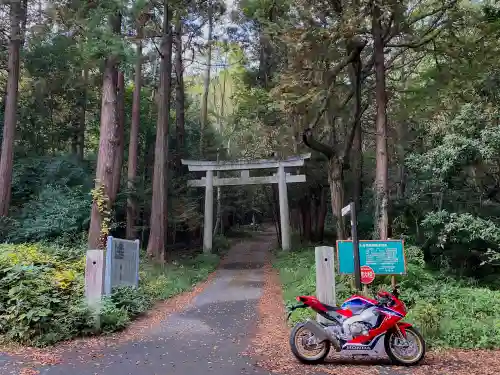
(355, 245)
(284, 215)
(209, 212)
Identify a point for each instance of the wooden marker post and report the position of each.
(325, 277)
(94, 282)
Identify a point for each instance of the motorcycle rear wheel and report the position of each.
(413, 338)
(302, 350)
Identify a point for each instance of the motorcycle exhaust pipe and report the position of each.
(321, 333)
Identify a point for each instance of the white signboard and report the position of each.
(346, 210)
(122, 264)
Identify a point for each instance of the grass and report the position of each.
(165, 281)
(450, 313)
(298, 277)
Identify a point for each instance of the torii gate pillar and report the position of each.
(284, 209)
(208, 216)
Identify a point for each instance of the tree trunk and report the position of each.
(120, 132)
(401, 143)
(158, 223)
(314, 208)
(133, 147)
(80, 142)
(17, 19)
(381, 183)
(101, 210)
(401, 151)
(179, 94)
(306, 218)
(206, 86)
(322, 211)
(336, 181)
(78, 118)
(105, 159)
(266, 57)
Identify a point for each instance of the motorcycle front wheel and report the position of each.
(305, 346)
(405, 351)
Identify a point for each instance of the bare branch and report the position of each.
(356, 51)
(310, 142)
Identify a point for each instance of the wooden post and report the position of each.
(284, 215)
(325, 277)
(355, 246)
(94, 282)
(365, 290)
(209, 212)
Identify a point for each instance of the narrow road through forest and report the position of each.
(207, 337)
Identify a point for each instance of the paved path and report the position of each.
(205, 338)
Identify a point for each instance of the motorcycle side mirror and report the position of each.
(395, 291)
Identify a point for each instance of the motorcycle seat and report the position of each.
(332, 308)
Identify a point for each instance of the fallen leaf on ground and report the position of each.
(271, 349)
(28, 371)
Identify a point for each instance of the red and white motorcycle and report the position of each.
(360, 326)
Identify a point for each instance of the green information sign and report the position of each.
(384, 257)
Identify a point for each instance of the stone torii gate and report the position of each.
(280, 177)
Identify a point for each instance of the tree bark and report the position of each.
(336, 181)
(106, 156)
(120, 132)
(322, 211)
(78, 117)
(179, 94)
(313, 214)
(133, 147)
(80, 142)
(266, 58)
(158, 223)
(107, 149)
(305, 208)
(357, 152)
(206, 85)
(401, 151)
(381, 182)
(17, 19)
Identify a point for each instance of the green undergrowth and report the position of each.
(42, 292)
(449, 313)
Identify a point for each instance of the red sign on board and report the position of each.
(367, 275)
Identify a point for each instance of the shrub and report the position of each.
(466, 243)
(449, 313)
(42, 293)
(50, 198)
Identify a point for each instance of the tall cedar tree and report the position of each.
(179, 93)
(158, 223)
(132, 208)
(381, 173)
(17, 19)
(107, 145)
